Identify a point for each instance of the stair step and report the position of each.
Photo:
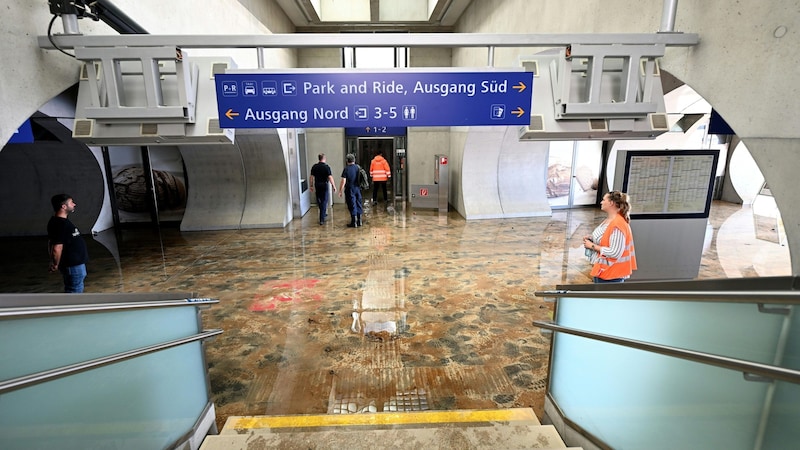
(263, 424)
(461, 436)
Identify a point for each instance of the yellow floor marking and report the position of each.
(402, 418)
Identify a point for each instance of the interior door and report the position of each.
(573, 173)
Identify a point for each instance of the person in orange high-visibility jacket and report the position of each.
(380, 173)
(610, 246)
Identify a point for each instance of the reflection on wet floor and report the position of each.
(415, 311)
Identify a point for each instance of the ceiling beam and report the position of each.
(383, 27)
(338, 40)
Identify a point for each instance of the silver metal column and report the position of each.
(70, 24)
(668, 16)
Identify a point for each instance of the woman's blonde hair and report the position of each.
(620, 199)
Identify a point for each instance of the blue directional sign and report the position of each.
(373, 99)
(376, 131)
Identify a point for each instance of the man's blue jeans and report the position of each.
(73, 278)
(322, 200)
(354, 200)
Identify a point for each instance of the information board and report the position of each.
(670, 183)
(360, 99)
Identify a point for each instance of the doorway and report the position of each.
(573, 173)
(366, 147)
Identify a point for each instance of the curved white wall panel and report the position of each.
(216, 187)
(518, 192)
(268, 203)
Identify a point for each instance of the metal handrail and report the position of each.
(38, 311)
(778, 297)
(60, 372)
(746, 367)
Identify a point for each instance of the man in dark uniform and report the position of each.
(68, 253)
(321, 176)
(352, 191)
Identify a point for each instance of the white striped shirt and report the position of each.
(616, 247)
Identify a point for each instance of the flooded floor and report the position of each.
(413, 311)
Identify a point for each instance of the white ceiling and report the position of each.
(331, 16)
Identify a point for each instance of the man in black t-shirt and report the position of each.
(68, 253)
(321, 177)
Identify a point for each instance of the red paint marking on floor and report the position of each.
(273, 293)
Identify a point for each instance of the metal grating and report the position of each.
(373, 391)
(413, 400)
(360, 389)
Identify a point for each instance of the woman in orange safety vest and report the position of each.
(610, 246)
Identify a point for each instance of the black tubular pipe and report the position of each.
(116, 19)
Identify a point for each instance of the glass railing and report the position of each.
(123, 375)
(738, 330)
(640, 368)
